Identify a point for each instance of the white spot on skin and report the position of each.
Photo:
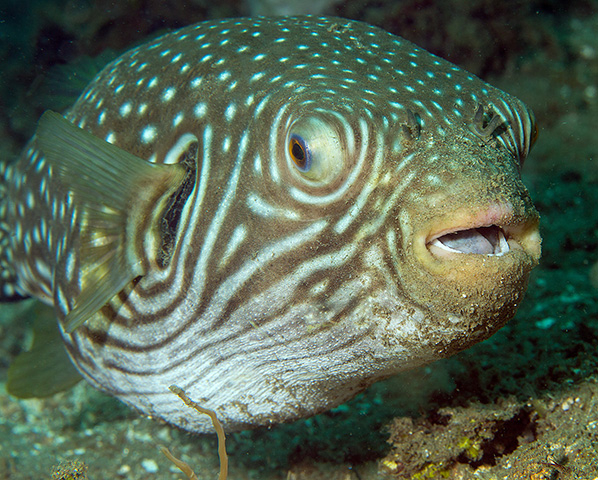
(261, 106)
(43, 184)
(9, 290)
(229, 113)
(178, 119)
(30, 200)
(148, 134)
(168, 94)
(70, 266)
(18, 230)
(257, 165)
(37, 235)
(61, 300)
(111, 138)
(142, 108)
(200, 110)
(125, 109)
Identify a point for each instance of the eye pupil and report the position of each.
(297, 151)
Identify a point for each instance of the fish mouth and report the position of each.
(488, 240)
(494, 231)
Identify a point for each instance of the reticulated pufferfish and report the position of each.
(273, 214)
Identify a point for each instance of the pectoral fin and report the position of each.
(119, 201)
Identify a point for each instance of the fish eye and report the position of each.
(314, 150)
(300, 153)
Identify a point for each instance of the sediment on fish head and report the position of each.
(469, 233)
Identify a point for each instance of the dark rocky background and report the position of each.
(523, 405)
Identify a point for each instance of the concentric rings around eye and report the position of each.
(299, 152)
(314, 150)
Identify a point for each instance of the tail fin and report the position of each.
(9, 291)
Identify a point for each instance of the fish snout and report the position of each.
(472, 266)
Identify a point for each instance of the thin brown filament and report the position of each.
(184, 467)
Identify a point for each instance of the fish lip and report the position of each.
(515, 232)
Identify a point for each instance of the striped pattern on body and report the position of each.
(280, 296)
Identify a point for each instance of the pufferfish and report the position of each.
(273, 214)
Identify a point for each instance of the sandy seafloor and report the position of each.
(522, 405)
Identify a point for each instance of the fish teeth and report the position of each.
(439, 244)
(503, 244)
(499, 243)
